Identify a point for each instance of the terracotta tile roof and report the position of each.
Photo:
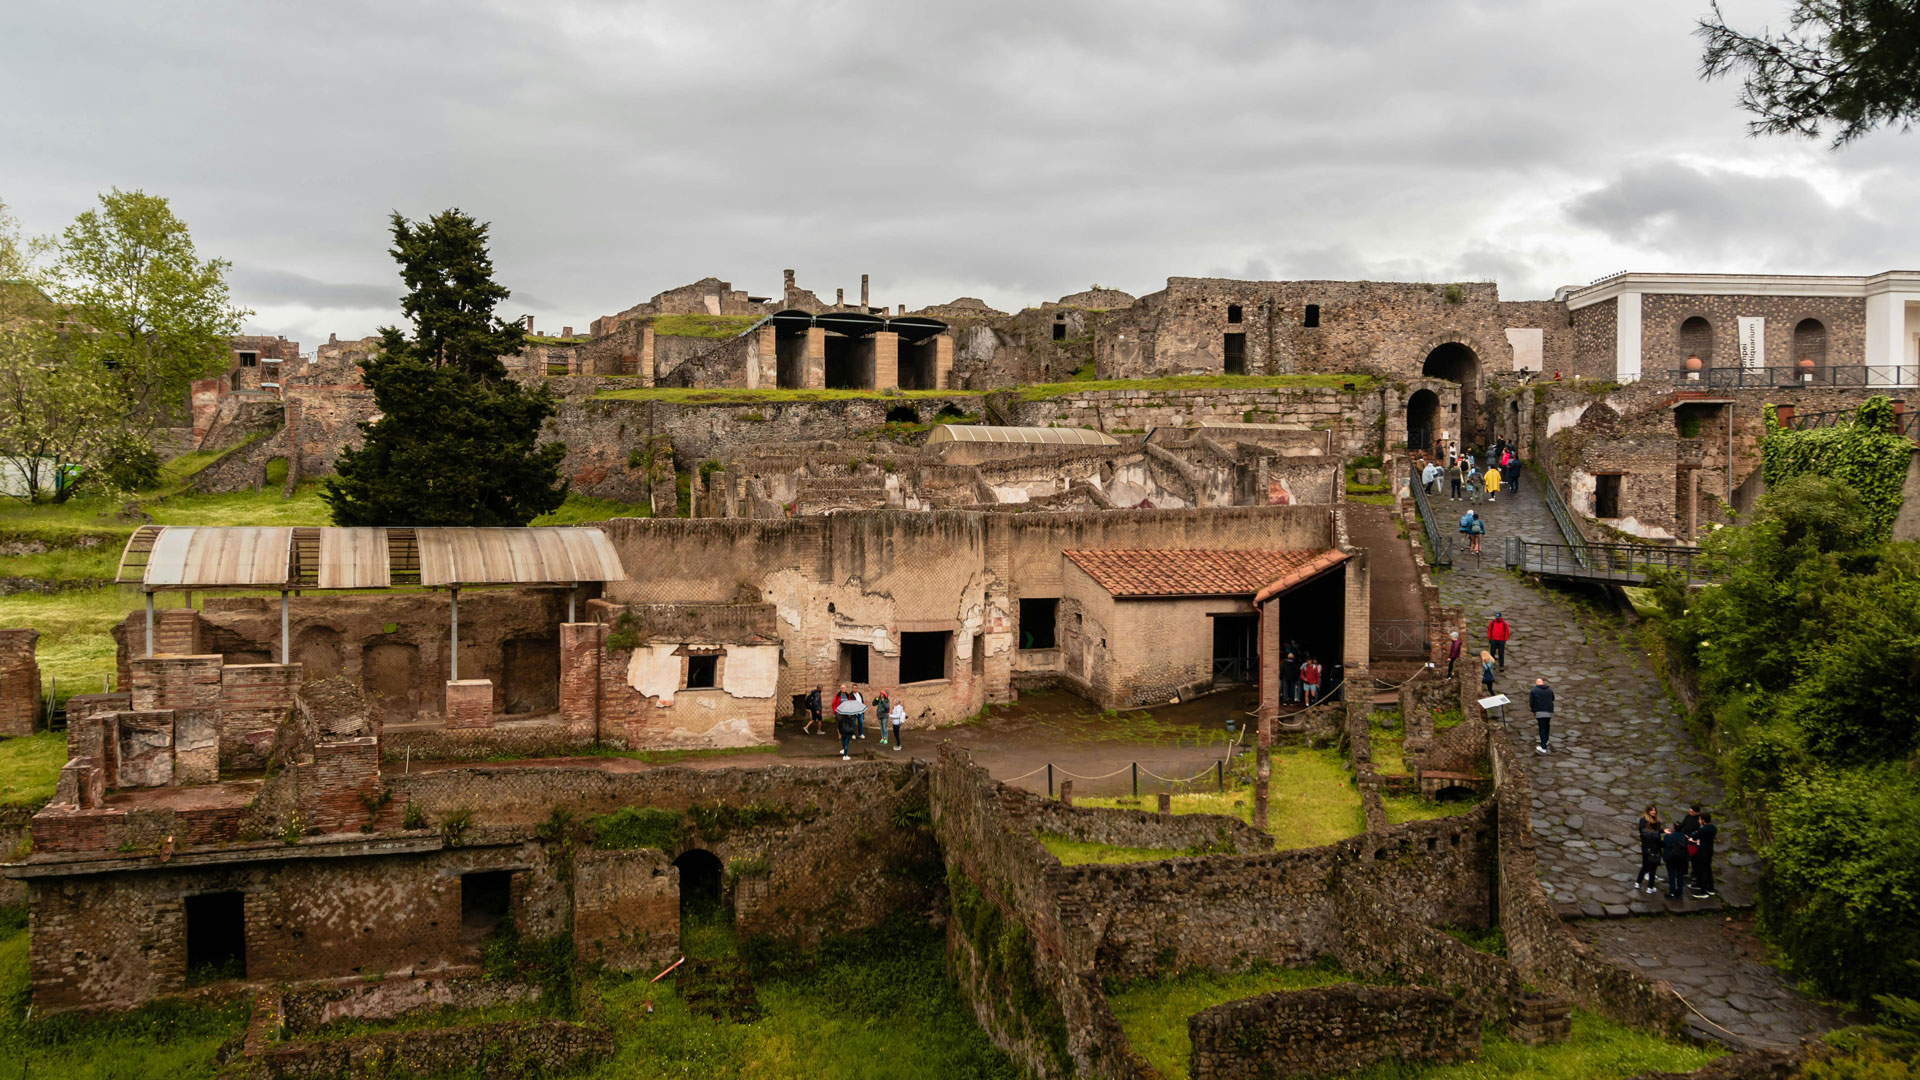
(1149, 573)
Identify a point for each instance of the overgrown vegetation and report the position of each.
(1598, 1050)
(1866, 455)
(1003, 963)
(1073, 852)
(636, 827)
(1311, 799)
(703, 326)
(1154, 1012)
(1807, 656)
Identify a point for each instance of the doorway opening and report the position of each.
(1235, 649)
(702, 896)
(216, 937)
(1457, 363)
(923, 655)
(1606, 496)
(790, 357)
(1423, 413)
(853, 663)
(1236, 354)
(1037, 622)
(485, 898)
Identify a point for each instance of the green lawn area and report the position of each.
(29, 769)
(1154, 1012)
(1389, 743)
(1311, 800)
(1073, 852)
(1599, 1050)
(1402, 808)
(579, 509)
(703, 326)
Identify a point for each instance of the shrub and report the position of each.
(636, 827)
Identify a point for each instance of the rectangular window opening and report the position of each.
(216, 938)
(1606, 496)
(1313, 316)
(485, 897)
(1233, 313)
(923, 655)
(1236, 354)
(702, 672)
(248, 359)
(1037, 622)
(853, 663)
(1059, 331)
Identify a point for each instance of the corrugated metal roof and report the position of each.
(189, 557)
(1037, 435)
(483, 556)
(183, 557)
(353, 559)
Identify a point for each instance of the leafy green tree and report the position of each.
(1845, 66)
(457, 442)
(153, 310)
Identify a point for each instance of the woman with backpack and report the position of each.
(1474, 529)
(1486, 671)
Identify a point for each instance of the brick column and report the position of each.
(177, 632)
(769, 355)
(886, 360)
(254, 699)
(646, 355)
(943, 361)
(580, 655)
(343, 769)
(19, 682)
(816, 358)
(176, 682)
(469, 704)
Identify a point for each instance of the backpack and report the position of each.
(1466, 522)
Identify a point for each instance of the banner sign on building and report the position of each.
(1753, 341)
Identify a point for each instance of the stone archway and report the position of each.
(1456, 358)
(1423, 419)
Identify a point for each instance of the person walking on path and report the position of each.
(859, 716)
(1493, 483)
(1510, 476)
(1473, 485)
(1673, 851)
(1540, 702)
(897, 717)
(1702, 868)
(1310, 679)
(1499, 632)
(1649, 826)
(1474, 529)
(1453, 480)
(1453, 651)
(813, 725)
(1430, 478)
(844, 715)
(1486, 671)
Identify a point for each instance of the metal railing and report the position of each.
(1732, 378)
(1439, 541)
(1233, 669)
(1904, 423)
(1627, 564)
(1575, 540)
(1398, 637)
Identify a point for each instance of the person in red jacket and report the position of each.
(1498, 631)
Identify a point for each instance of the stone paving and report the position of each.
(1617, 744)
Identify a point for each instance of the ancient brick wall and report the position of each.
(1662, 350)
(1285, 1034)
(1354, 416)
(626, 908)
(497, 1051)
(1596, 336)
(254, 700)
(19, 682)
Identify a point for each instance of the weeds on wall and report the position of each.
(1003, 960)
(415, 817)
(1866, 455)
(454, 825)
(636, 827)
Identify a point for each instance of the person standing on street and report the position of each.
(1649, 827)
(1289, 678)
(897, 718)
(1486, 672)
(1310, 678)
(1540, 701)
(1493, 482)
(1673, 851)
(843, 722)
(1702, 868)
(1499, 632)
(813, 725)
(1453, 480)
(1453, 651)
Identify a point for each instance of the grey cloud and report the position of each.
(255, 285)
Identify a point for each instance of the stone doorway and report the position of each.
(390, 674)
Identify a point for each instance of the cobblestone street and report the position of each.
(1617, 744)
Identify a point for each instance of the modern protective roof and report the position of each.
(1139, 574)
(194, 557)
(1038, 435)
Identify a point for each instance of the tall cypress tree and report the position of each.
(457, 442)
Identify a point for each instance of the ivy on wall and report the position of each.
(1866, 455)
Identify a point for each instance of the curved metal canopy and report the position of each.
(858, 323)
(987, 433)
(190, 557)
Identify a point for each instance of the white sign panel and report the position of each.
(1528, 347)
(1753, 341)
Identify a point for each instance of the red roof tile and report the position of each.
(1136, 573)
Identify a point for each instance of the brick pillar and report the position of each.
(254, 699)
(816, 358)
(1359, 632)
(886, 360)
(646, 355)
(580, 655)
(767, 363)
(176, 632)
(469, 704)
(943, 361)
(176, 682)
(19, 682)
(343, 770)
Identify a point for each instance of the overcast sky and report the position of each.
(1013, 151)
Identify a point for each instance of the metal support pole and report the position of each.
(1220, 775)
(1049, 779)
(286, 653)
(149, 622)
(1136, 779)
(571, 590)
(455, 594)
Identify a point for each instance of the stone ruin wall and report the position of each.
(1285, 1034)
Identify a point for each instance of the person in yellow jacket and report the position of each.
(1493, 482)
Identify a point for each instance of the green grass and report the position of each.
(703, 326)
(75, 649)
(29, 769)
(1073, 852)
(1154, 1012)
(583, 508)
(693, 395)
(1311, 800)
(1043, 391)
(1599, 1050)
(1404, 808)
(1389, 743)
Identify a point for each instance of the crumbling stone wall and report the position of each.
(19, 682)
(1285, 1034)
(1355, 417)
(501, 1050)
